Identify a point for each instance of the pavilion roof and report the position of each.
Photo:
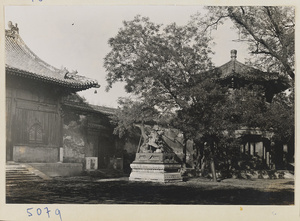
(238, 70)
(21, 61)
(234, 68)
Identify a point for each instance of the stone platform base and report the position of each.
(155, 167)
(155, 172)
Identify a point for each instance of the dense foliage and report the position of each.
(169, 71)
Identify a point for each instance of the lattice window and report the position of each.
(36, 133)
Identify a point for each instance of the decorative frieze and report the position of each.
(155, 157)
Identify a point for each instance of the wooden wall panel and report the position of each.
(32, 107)
(49, 122)
(8, 112)
(8, 128)
(42, 95)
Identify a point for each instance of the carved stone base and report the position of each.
(155, 167)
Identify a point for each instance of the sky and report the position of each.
(76, 37)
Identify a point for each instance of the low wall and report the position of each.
(28, 154)
(59, 169)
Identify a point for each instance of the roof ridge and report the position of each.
(95, 105)
(91, 107)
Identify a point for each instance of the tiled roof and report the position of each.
(76, 101)
(104, 110)
(90, 108)
(21, 61)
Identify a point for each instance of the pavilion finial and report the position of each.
(233, 54)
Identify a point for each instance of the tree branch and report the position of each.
(264, 43)
(216, 22)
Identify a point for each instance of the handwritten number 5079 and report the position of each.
(39, 211)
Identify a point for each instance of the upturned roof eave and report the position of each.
(236, 68)
(72, 85)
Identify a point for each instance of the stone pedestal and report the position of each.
(155, 167)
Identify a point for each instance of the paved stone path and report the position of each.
(88, 190)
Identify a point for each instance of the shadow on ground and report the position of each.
(66, 191)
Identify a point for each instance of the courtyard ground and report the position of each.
(200, 191)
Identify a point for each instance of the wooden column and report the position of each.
(61, 126)
(268, 158)
(11, 112)
(251, 148)
(247, 149)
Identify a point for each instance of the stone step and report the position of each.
(16, 169)
(14, 165)
(16, 173)
(12, 180)
(19, 172)
(21, 175)
(9, 163)
(21, 179)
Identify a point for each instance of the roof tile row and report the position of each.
(21, 61)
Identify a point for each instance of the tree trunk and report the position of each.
(213, 170)
(203, 164)
(143, 135)
(198, 158)
(212, 162)
(184, 155)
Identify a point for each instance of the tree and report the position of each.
(157, 61)
(131, 113)
(268, 30)
(137, 114)
(280, 118)
(162, 66)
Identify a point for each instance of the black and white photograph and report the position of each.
(146, 105)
